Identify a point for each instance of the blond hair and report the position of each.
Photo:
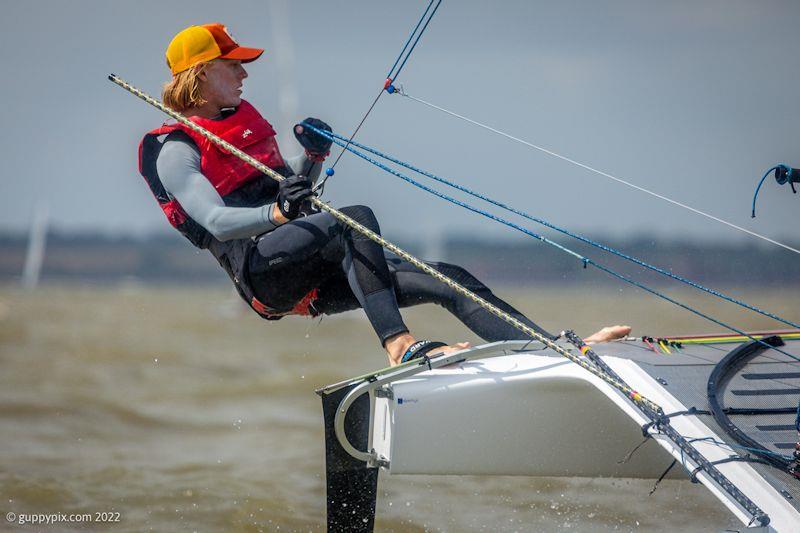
(183, 91)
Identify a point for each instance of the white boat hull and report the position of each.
(500, 410)
(514, 415)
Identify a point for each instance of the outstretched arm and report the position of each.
(178, 167)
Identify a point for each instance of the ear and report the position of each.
(202, 75)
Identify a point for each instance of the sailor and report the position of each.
(283, 257)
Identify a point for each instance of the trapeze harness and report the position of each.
(239, 185)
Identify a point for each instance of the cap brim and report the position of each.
(243, 54)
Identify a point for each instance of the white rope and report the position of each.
(493, 309)
(596, 171)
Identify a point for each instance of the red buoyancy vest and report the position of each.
(245, 129)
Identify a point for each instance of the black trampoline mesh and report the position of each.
(759, 398)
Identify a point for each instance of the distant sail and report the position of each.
(37, 239)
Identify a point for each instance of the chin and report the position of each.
(233, 102)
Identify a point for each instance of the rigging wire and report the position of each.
(390, 77)
(586, 261)
(402, 92)
(661, 422)
(569, 233)
(641, 401)
(733, 447)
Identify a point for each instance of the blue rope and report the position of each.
(760, 183)
(389, 75)
(576, 236)
(586, 261)
(720, 443)
(396, 74)
(330, 170)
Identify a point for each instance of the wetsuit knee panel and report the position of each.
(364, 216)
(461, 276)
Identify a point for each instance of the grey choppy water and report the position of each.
(183, 412)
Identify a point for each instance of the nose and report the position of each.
(242, 72)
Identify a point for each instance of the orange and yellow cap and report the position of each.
(198, 44)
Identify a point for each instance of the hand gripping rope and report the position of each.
(334, 137)
(586, 261)
(616, 383)
(589, 362)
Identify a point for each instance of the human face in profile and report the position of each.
(221, 83)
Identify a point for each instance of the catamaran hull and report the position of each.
(516, 415)
(511, 409)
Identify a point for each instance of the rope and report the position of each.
(586, 261)
(496, 311)
(734, 447)
(732, 339)
(392, 77)
(389, 77)
(569, 233)
(760, 183)
(329, 171)
(596, 171)
(650, 408)
(662, 425)
(664, 474)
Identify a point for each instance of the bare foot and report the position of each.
(396, 347)
(450, 349)
(607, 334)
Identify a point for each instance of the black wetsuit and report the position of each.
(280, 264)
(351, 271)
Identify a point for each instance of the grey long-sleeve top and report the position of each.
(178, 166)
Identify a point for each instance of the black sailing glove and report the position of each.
(316, 145)
(291, 194)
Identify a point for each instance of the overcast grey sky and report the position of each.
(691, 99)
